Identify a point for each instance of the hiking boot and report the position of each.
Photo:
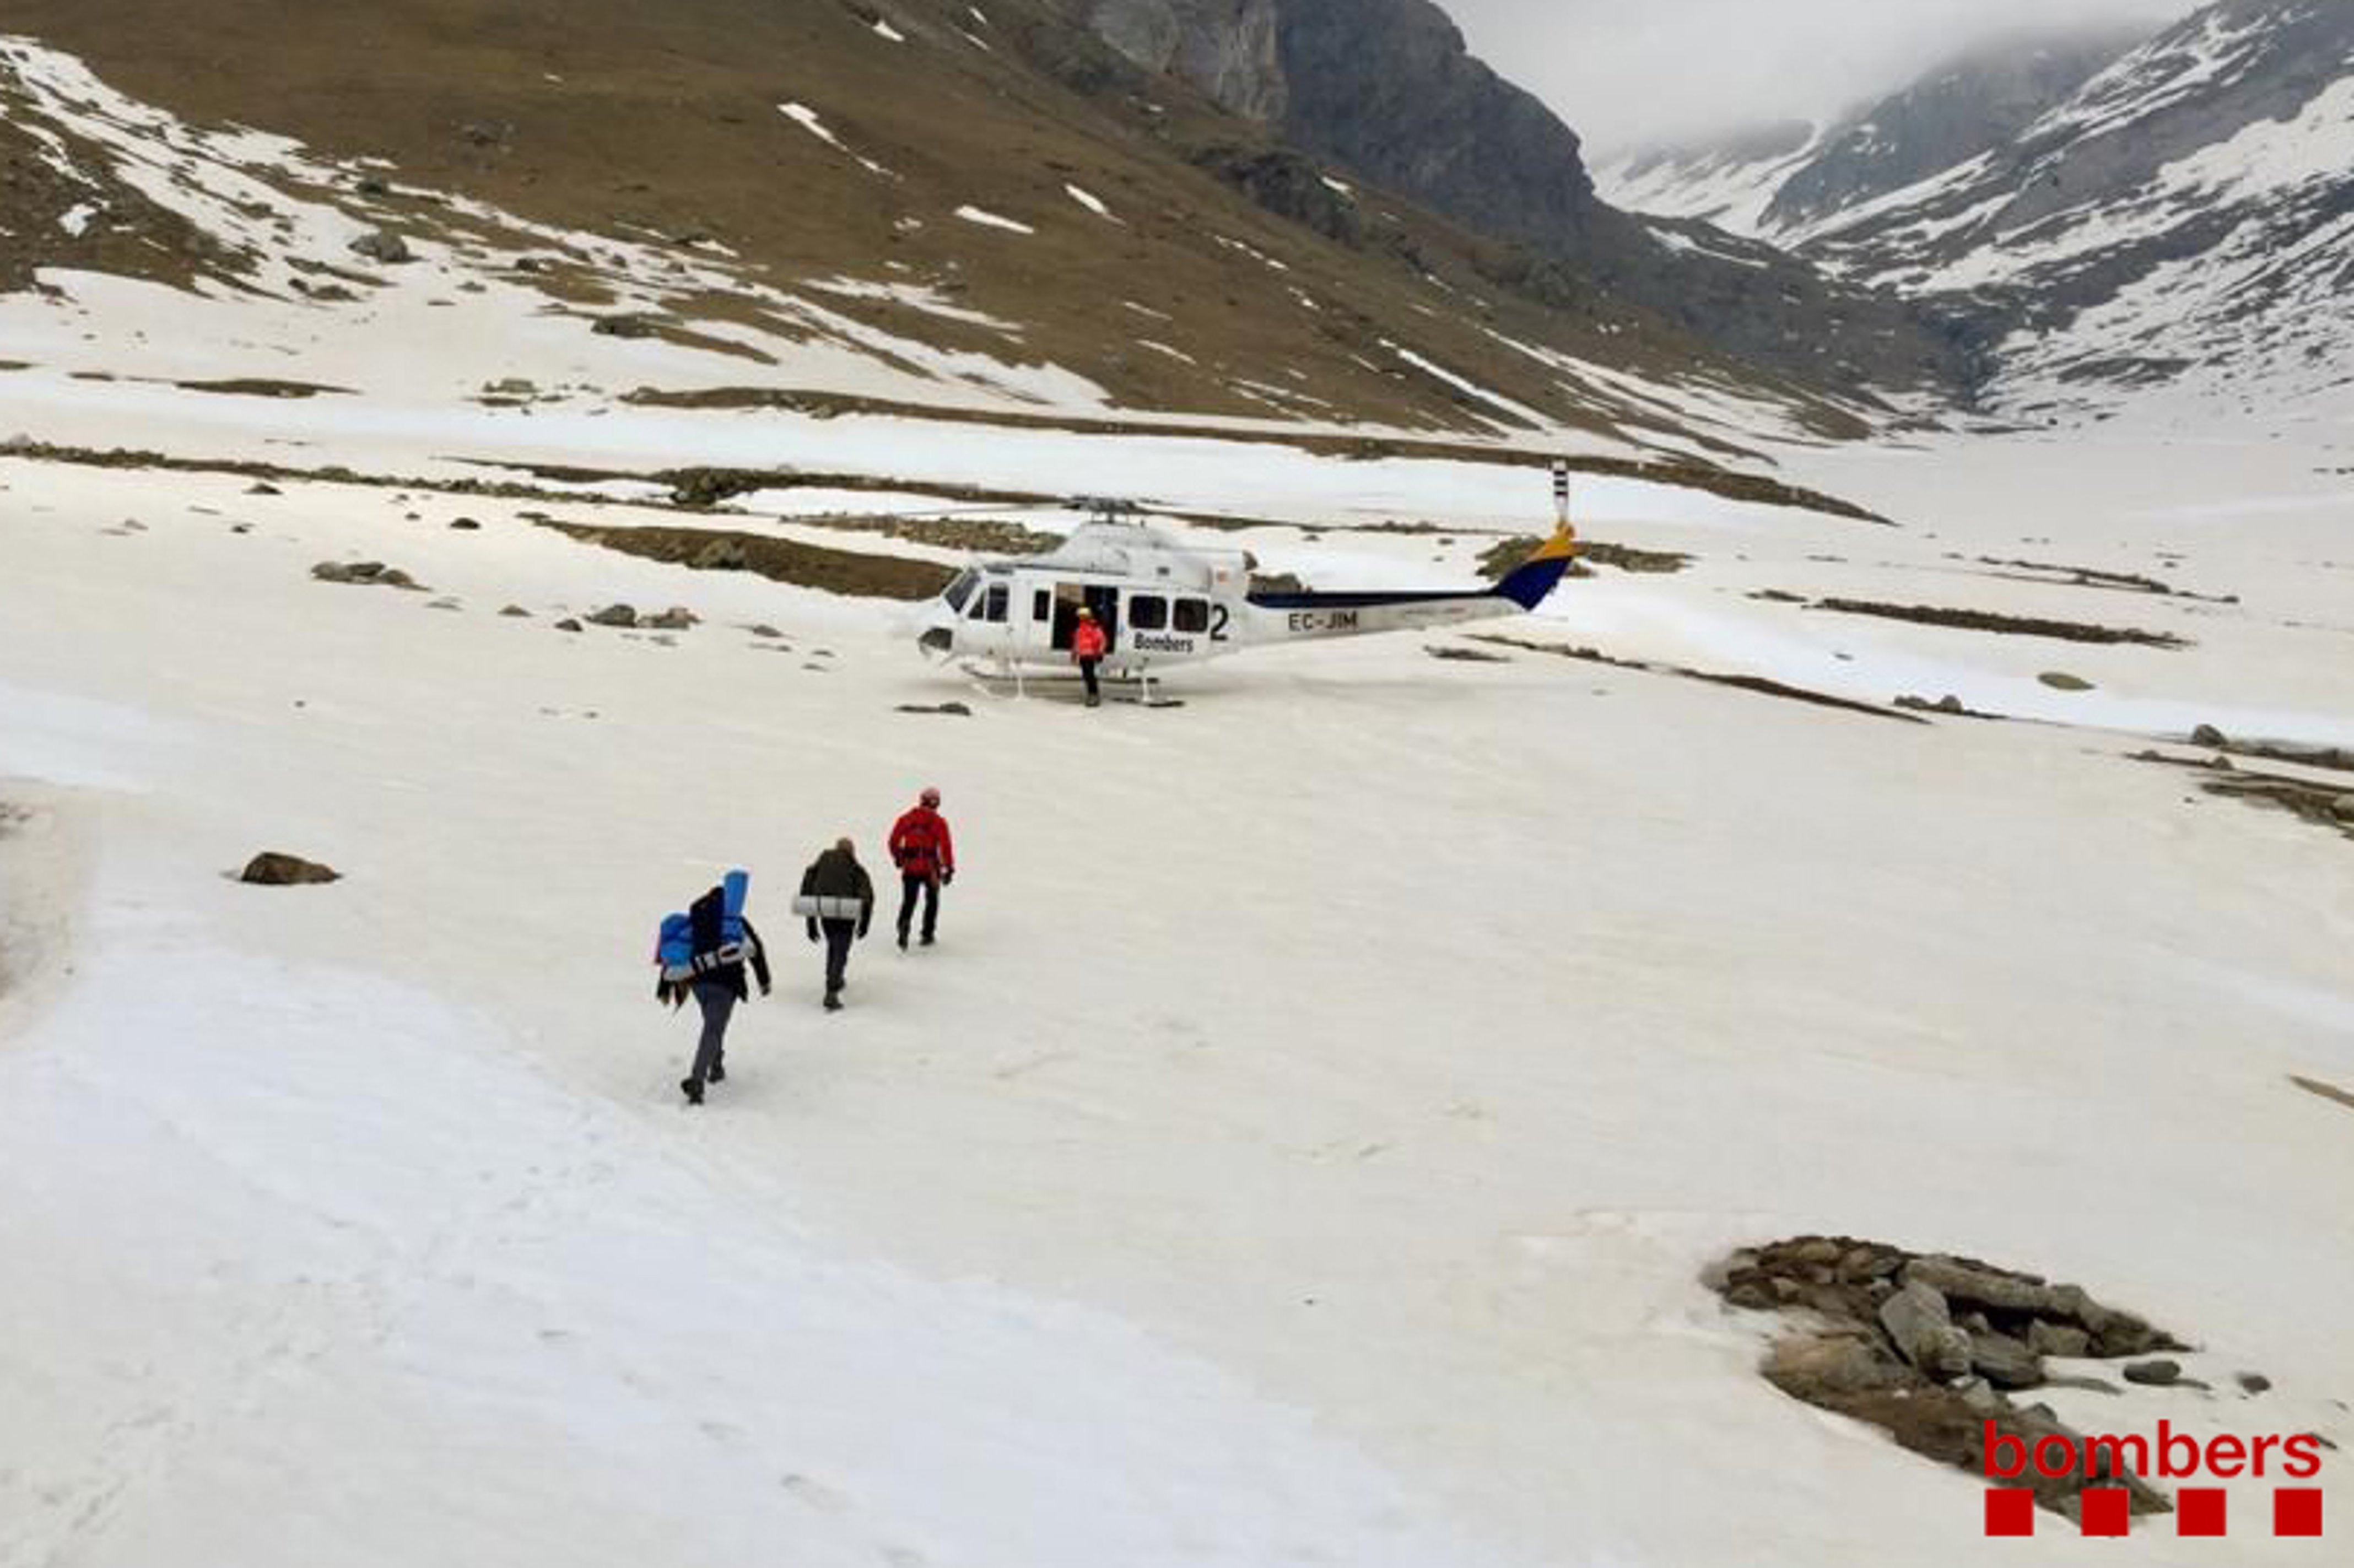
(930, 938)
(832, 1002)
(692, 1090)
(902, 941)
(718, 1073)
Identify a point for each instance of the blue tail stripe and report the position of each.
(1528, 585)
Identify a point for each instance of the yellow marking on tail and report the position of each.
(1562, 544)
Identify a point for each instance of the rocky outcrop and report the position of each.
(383, 245)
(273, 869)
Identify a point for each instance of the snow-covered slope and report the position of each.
(1730, 182)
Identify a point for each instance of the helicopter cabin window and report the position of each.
(962, 590)
(1192, 615)
(1148, 612)
(995, 601)
(1042, 605)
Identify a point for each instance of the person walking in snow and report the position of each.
(1088, 646)
(838, 897)
(715, 977)
(925, 856)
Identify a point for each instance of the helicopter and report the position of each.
(1165, 603)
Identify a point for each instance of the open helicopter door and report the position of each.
(1102, 599)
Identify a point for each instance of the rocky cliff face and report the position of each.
(1227, 48)
(1389, 89)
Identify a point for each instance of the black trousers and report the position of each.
(839, 935)
(1088, 673)
(931, 890)
(717, 998)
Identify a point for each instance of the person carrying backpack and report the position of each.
(703, 954)
(838, 899)
(925, 856)
(1088, 646)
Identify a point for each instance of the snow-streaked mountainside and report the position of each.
(1044, 227)
(1783, 182)
(1389, 93)
(2186, 221)
(2183, 219)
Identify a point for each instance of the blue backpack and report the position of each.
(676, 949)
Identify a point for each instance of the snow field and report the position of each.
(1304, 1143)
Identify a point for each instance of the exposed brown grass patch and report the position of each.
(2005, 625)
(780, 560)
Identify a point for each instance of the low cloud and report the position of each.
(1628, 74)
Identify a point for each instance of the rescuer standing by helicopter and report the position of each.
(1088, 646)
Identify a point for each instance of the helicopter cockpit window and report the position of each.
(1148, 612)
(962, 590)
(1192, 615)
(994, 602)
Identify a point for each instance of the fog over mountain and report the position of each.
(1625, 75)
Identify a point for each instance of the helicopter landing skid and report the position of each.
(999, 681)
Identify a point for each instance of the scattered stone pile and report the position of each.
(677, 618)
(372, 574)
(1929, 1348)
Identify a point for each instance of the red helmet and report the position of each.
(931, 797)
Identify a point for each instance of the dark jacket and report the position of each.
(920, 844)
(836, 874)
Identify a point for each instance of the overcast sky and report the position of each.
(1625, 71)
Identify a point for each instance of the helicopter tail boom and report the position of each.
(1294, 616)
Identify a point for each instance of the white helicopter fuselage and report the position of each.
(1164, 604)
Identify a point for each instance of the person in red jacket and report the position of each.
(925, 856)
(1088, 646)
